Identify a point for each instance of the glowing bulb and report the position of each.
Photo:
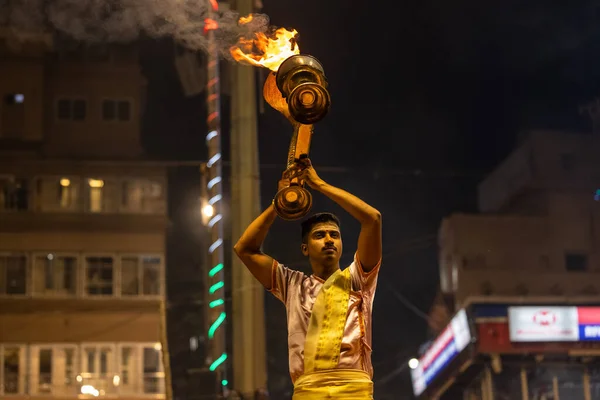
(96, 183)
(64, 182)
(208, 210)
(413, 363)
(89, 389)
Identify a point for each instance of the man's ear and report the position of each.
(304, 249)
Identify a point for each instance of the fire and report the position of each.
(245, 20)
(267, 50)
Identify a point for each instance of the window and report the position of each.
(99, 276)
(13, 369)
(140, 275)
(95, 369)
(45, 371)
(102, 196)
(153, 372)
(13, 274)
(98, 369)
(576, 262)
(116, 110)
(71, 109)
(91, 194)
(64, 275)
(95, 192)
(69, 363)
(128, 367)
(58, 194)
(55, 274)
(53, 370)
(98, 361)
(140, 195)
(14, 194)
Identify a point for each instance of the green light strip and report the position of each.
(217, 268)
(218, 362)
(215, 325)
(216, 303)
(216, 287)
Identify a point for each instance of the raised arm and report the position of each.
(248, 247)
(369, 240)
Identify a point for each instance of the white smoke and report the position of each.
(110, 21)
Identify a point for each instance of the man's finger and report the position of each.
(303, 162)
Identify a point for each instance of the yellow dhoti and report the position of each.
(321, 379)
(345, 384)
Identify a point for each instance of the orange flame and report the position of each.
(245, 20)
(265, 50)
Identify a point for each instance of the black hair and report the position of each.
(313, 220)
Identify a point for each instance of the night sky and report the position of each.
(427, 97)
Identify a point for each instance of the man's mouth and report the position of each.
(326, 249)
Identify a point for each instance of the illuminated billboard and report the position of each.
(446, 347)
(554, 324)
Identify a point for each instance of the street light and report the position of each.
(413, 363)
(208, 210)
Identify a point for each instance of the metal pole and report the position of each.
(248, 309)
(555, 390)
(215, 278)
(524, 385)
(586, 385)
(488, 393)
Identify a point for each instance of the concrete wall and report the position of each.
(24, 76)
(83, 242)
(518, 255)
(92, 325)
(94, 83)
(44, 78)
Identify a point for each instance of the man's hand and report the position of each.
(283, 182)
(308, 174)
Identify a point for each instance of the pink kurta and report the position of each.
(299, 291)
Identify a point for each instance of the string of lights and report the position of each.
(216, 279)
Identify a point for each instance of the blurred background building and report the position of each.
(82, 226)
(526, 273)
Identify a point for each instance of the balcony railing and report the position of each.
(105, 385)
(10, 382)
(74, 194)
(45, 383)
(93, 385)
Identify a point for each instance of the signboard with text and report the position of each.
(554, 324)
(446, 347)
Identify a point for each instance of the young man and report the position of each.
(329, 312)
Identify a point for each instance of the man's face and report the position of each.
(324, 243)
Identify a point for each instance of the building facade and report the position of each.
(528, 264)
(82, 226)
